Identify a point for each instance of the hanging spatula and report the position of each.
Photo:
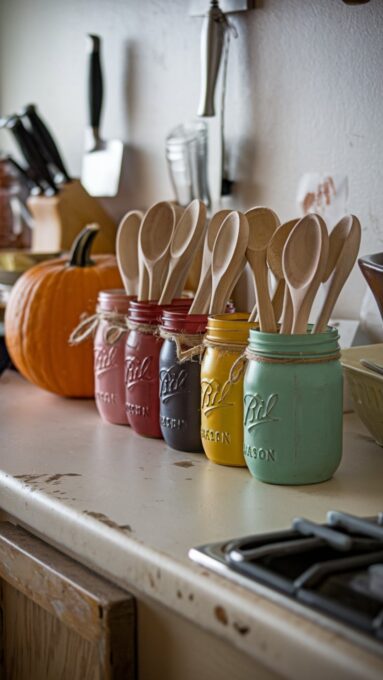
(101, 167)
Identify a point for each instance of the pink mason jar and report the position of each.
(109, 355)
(142, 352)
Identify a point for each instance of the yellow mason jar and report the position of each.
(222, 388)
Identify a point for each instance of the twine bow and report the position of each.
(238, 367)
(193, 342)
(88, 325)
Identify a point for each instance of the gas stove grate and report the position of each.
(336, 568)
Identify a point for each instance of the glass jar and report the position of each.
(293, 407)
(180, 379)
(109, 351)
(142, 353)
(222, 388)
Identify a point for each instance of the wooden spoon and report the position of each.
(187, 236)
(143, 274)
(344, 243)
(127, 250)
(281, 299)
(262, 225)
(200, 304)
(228, 259)
(155, 237)
(304, 262)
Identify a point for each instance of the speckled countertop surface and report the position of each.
(131, 508)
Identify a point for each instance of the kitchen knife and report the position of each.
(102, 161)
(31, 153)
(47, 145)
(24, 175)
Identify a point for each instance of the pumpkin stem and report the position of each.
(80, 252)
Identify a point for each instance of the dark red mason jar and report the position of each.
(142, 352)
(109, 355)
(180, 379)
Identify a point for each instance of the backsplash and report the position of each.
(303, 94)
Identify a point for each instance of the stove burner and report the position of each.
(336, 568)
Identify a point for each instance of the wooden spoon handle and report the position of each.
(182, 276)
(265, 309)
(220, 298)
(253, 314)
(287, 313)
(154, 287)
(200, 304)
(143, 281)
(339, 276)
(300, 319)
(277, 300)
(167, 294)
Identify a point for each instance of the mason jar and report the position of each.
(222, 388)
(180, 379)
(293, 410)
(142, 352)
(109, 350)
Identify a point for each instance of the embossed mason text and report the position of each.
(104, 359)
(258, 410)
(137, 370)
(172, 381)
(214, 396)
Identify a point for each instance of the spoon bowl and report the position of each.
(187, 236)
(200, 304)
(303, 262)
(155, 237)
(262, 225)
(281, 299)
(228, 259)
(127, 250)
(344, 243)
(301, 266)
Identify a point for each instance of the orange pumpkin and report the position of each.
(46, 304)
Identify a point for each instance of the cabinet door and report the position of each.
(58, 620)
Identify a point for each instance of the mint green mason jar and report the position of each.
(293, 407)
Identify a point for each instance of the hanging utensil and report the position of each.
(102, 161)
(187, 236)
(274, 261)
(344, 243)
(212, 41)
(228, 259)
(155, 237)
(262, 225)
(304, 262)
(200, 304)
(127, 250)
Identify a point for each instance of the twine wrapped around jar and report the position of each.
(88, 327)
(194, 343)
(238, 367)
(297, 359)
(146, 328)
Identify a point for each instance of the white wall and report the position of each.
(304, 93)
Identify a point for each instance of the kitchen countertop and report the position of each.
(130, 508)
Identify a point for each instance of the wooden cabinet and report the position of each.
(58, 620)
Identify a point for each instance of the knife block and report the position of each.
(58, 219)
